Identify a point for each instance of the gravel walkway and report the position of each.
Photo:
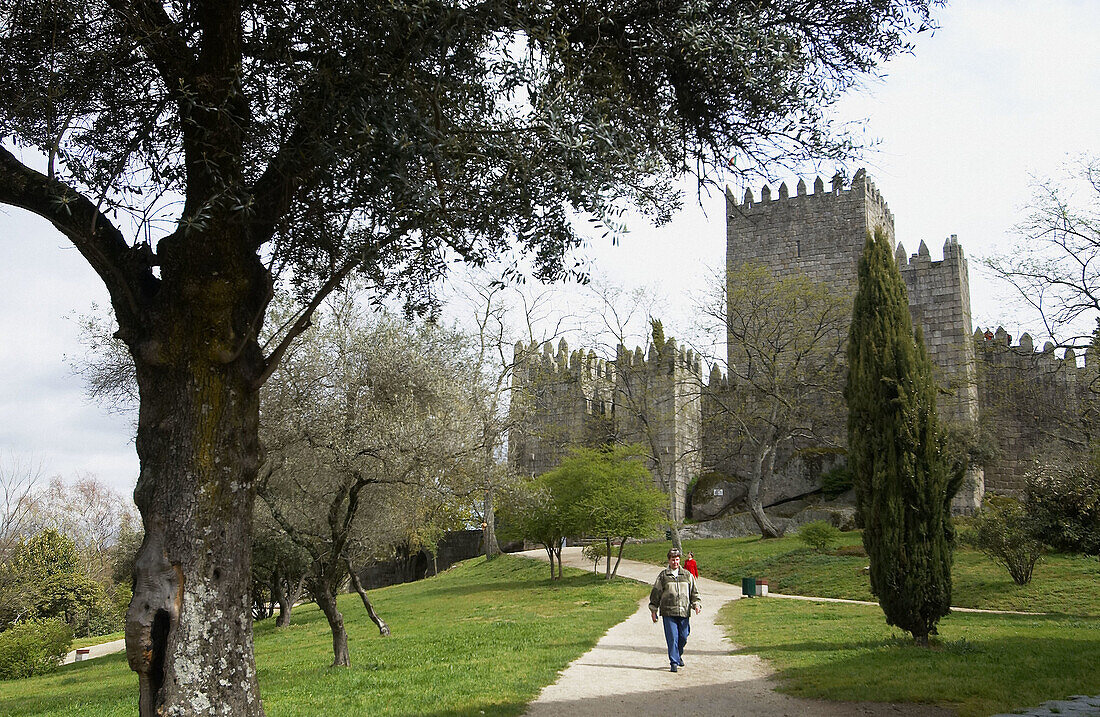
(626, 674)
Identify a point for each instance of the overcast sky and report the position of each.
(1003, 92)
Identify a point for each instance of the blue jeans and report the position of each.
(676, 635)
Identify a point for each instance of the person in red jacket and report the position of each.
(691, 566)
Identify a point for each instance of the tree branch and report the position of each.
(125, 270)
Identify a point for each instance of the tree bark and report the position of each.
(492, 547)
(325, 595)
(618, 558)
(607, 557)
(189, 624)
(383, 628)
(550, 554)
(287, 599)
(765, 460)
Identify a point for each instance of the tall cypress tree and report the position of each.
(902, 477)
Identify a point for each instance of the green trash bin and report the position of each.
(748, 587)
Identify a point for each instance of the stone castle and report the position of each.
(1014, 398)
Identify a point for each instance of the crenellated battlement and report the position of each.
(952, 254)
(1024, 353)
(861, 189)
(1025, 394)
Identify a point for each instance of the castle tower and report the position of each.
(658, 403)
(820, 235)
(559, 400)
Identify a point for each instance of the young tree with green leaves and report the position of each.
(903, 478)
(196, 153)
(608, 493)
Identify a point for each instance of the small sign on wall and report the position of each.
(718, 491)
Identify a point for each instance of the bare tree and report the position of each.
(90, 513)
(18, 479)
(501, 315)
(657, 392)
(1055, 265)
(786, 339)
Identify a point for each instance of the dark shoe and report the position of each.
(680, 663)
(673, 668)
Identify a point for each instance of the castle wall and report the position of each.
(939, 302)
(1025, 402)
(1032, 405)
(559, 401)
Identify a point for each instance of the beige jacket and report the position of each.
(674, 596)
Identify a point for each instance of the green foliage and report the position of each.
(657, 334)
(33, 648)
(819, 535)
(609, 493)
(1004, 531)
(44, 580)
(836, 481)
(903, 478)
(45, 554)
(595, 552)
(1063, 504)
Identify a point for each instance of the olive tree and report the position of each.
(362, 425)
(195, 153)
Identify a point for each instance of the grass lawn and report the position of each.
(1065, 584)
(482, 638)
(978, 665)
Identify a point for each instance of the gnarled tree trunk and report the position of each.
(189, 625)
(325, 595)
(287, 598)
(763, 465)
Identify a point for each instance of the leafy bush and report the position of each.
(1004, 531)
(594, 552)
(1064, 506)
(819, 535)
(33, 648)
(836, 481)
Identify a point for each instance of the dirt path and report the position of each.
(626, 674)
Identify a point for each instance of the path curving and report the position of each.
(626, 673)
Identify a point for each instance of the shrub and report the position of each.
(33, 648)
(1004, 532)
(1064, 506)
(594, 552)
(819, 535)
(836, 481)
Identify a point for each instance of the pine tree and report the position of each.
(902, 477)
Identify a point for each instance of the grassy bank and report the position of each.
(483, 638)
(1062, 583)
(978, 665)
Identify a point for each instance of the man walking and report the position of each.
(675, 595)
